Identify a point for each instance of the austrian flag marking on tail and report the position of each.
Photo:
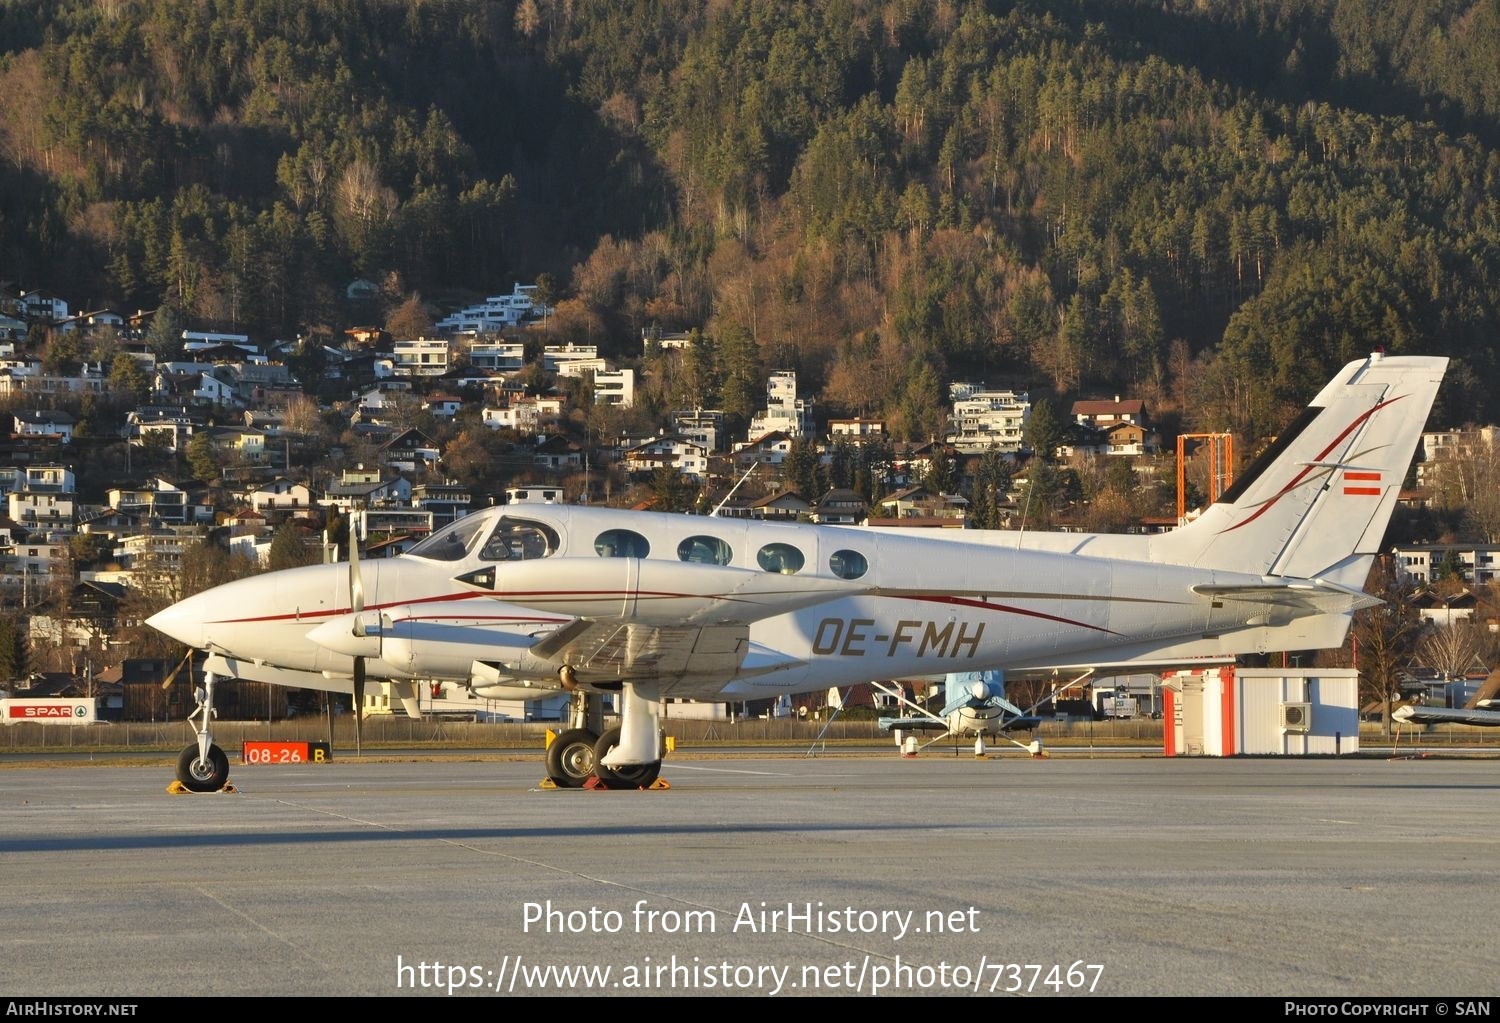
(1351, 476)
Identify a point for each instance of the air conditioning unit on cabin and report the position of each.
(1296, 717)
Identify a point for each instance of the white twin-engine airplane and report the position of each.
(521, 601)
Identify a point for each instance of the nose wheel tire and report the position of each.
(633, 776)
(570, 758)
(203, 774)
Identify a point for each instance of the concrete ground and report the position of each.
(753, 875)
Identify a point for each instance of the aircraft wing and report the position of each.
(913, 725)
(684, 661)
(1022, 723)
(1418, 715)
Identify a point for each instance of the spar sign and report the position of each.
(48, 712)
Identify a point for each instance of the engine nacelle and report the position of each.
(488, 682)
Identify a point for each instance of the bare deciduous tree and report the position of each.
(1451, 650)
(1384, 636)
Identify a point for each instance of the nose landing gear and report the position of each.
(203, 767)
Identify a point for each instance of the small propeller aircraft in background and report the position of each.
(524, 601)
(974, 705)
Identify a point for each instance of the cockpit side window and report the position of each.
(518, 540)
(509, 539)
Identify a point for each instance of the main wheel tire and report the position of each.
(570, 758)
(203, 775)
(635, 776)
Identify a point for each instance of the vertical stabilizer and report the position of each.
(1317, 503)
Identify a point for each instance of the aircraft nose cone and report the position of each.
(183, 621)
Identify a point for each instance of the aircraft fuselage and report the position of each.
(910, 605)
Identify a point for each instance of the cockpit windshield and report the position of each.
(452, 543)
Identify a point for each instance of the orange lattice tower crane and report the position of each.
(1220, 467)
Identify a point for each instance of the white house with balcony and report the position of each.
(769, 450)
(279, 495)
(524, 415)
(27, 566)
(424, 357)
(90, 380)
(1475, 563)
(669, 451)
(53, 423)
(38, 306)
(159, 499)
(614, 387)
(784, 411)
(42, 510)
(1442, 451)
(572, 360)
(857, 428)
(498, 356)
(988, 420)
(39, 478)
(496, 313)
(706, 426)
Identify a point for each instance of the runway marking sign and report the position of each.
(271, 753)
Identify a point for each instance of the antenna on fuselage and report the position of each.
(715, 513)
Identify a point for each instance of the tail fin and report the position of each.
(1317, 503)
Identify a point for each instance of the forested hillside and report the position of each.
(1206, 205)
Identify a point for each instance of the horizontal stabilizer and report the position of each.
(1305, 596)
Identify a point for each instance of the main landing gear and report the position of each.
(202, 766)
(616, 758)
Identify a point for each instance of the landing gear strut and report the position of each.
(625, 776)
(633, 750)
(203, 767)
(629, 757)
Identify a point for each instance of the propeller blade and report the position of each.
(356, 579)
(359, 703)
(167, 683)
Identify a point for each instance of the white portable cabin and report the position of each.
(1225, 711)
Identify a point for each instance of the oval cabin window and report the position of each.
(780, 557)
(704, 550)
(848, 564)
(621, 543)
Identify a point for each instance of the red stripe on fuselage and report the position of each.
(617, 595)
(443, 598)
(1009, 609)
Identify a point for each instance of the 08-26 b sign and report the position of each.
(268, 753)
